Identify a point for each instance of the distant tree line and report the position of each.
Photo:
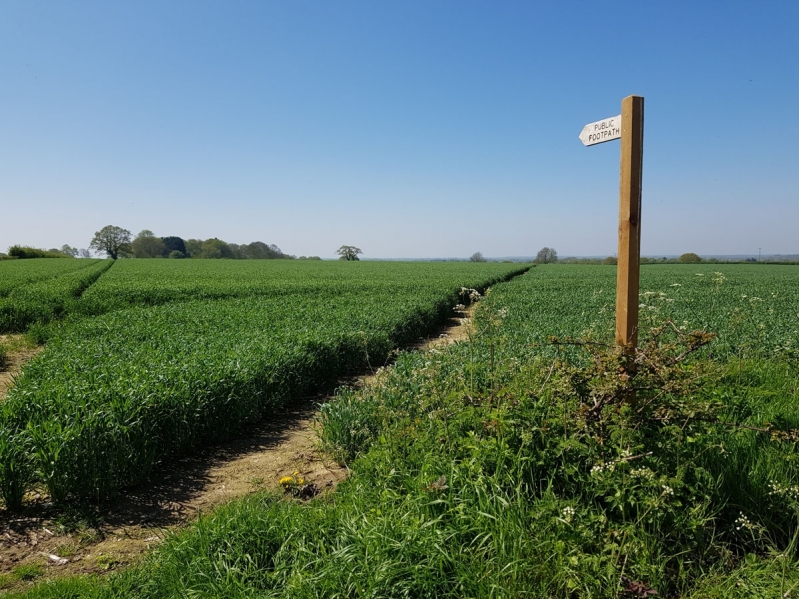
(117, 242)
(21, 252)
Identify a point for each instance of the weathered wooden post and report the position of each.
(629, 127)
(629, 261)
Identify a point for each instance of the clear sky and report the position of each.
(409, 129)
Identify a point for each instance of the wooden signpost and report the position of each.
(629, 127)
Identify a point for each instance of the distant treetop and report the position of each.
(546, 256)
(689, 258)
(348, 252)
(114, 241)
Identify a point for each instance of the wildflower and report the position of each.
(667, 490)
(603, 467)
(288, 482)
(645, 473)
(743, 522)
(789, 492)
(568, 513)
(675, 285)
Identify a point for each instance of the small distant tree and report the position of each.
(147, 245)
(69, 250)
(84, 253)
(114, 241)
(348, 252)
(610, 260)
(477, 257)
(546, 256)
(689, 258)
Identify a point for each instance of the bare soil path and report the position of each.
(60, 542)
(17, 352)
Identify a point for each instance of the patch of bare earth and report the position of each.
(73, 542)
(83, 541)
(18, 352)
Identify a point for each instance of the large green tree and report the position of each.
(546, 256)
(348, 252)
(174, 244)
(114, 241)
(147, 245)
(215, 248)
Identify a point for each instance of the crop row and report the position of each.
(114, 395)
(49, 297)
(17, 273)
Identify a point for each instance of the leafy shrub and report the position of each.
(25, 252)
(689, 258)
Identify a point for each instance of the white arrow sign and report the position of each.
(601, 131)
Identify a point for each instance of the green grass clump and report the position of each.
(27, 572)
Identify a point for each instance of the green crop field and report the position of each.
(113, 395)
(508, 465)
(16, 273)
(50, 293)
(752, 308)
(148, 282)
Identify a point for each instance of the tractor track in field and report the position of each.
(64, 541)
(13, 362)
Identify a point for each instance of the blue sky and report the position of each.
(409, 129)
